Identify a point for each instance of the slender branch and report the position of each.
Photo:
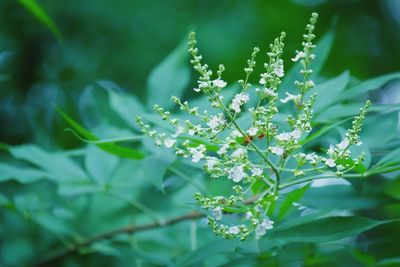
(267, 160)
(318, 177)
(127, 230)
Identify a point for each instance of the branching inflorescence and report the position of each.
(255, 153)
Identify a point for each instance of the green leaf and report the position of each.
(126, 107)
(100, 164)
(369, 85)
(168, 78)
(57, 166)
(155, 166)
(36, 10)
(290, 198)
(390, 262)
(207, 251)
(325, 229)
(111, 148)
(329, 92)
(20, 174)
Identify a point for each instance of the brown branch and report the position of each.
(126, 230)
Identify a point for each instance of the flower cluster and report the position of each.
(252, 152)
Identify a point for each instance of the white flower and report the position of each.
(234, 230)
(330, 163)
(223, 149)
(197, 152)
(312, 158)
(211, 162)
(235, 134)
(279, 71)
(217, 213)
(262, 228)
(179, 130)
(299, 55)
(215, 122)
(289, 97)
(256, 171)
(344, 144)
(262, 81)
(191, 131)
(331, 150)
(203, 85)
(252, 131)
(249, 215)
(236, 174)
(277, 150)
(269, 92)
(238, 153)
(219, 83)
(169, 142)
(283, 137)
(296, 133)
(196, 89)
(239, 100)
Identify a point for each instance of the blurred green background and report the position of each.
(123, 41)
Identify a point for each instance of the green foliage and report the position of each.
(56, 204)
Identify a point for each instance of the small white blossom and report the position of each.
(239, 100)
(296, 133)
(344, 144)
(283, 137)
(211, 162)
(169, 142)
(256, 171)
(279, 71)
(215, 122)
(234, 230)
(249, 215)
(330, 163)
(236, 134)
(217, 213)
(237, 174)
(277, 150)
(238, 153)
(289, 98)
(179, 130)
(269, 92)
(262, 228)
(299, 55)
(331, 150)
(197, 153)
(262, 81)
(252, 131)
(219, 83)
(223, 149)
(311, 158)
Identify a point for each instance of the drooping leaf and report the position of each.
(20, 174)
(111, 148)
(290, 198)
(168, 78)
(57, 166)
(325, 229)
(369, 85)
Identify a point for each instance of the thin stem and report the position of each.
(318, 177)
(127, 230)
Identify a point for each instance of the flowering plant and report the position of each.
(244, 140)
